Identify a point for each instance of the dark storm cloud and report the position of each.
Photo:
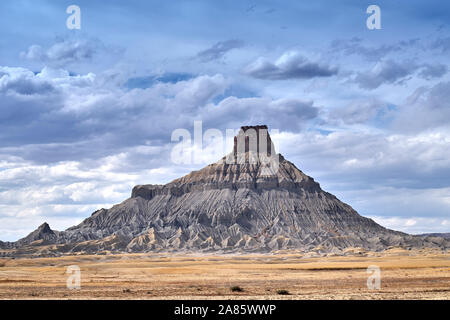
(291, 65)
(78, 119)
(71, 111)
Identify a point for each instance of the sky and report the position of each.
(86, 114)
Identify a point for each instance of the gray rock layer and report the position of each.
(226, 207)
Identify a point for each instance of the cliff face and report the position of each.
(251, 200)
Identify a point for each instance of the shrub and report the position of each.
(283, 292)
(236, 289)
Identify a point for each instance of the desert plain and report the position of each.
(404, 274)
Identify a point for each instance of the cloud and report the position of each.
(148, 81)
(71, 145)
(385, 72)
(65, 192)
(381, 175)
(414, 225)
(357, 160)
(218, 50)
(54, 106)
(69, 51)
(442, 44)
(392, 72)
(425, 109)
(64, 52)
(355, 46)
(290, 65)
(431, 71)
(282, 114)
(20, 81)
(80, 118)
(359, 111)
(32, 108)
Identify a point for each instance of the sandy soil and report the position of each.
(422, 274)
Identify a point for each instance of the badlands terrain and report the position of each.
(252, 200)
(250, 226)
(405, 274)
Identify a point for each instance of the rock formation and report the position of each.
(250, 200)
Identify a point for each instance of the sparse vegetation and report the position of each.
(236, 289)
(283, 292)
(262, 276)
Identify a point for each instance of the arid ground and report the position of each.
(419, 274)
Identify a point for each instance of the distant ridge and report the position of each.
(442, 235)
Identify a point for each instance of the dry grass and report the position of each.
(421, 274)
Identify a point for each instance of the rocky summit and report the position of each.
(251, 200)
